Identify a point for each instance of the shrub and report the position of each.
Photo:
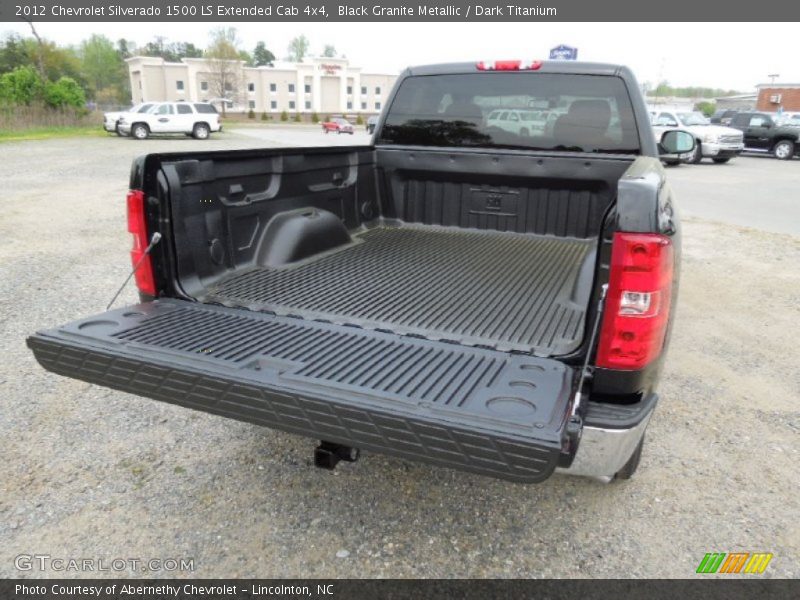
(297, 118)
(284, 116)
(251, 114)
(21, 86)
(264, 116)
(64, 93)
(359, 120)
(314, 117)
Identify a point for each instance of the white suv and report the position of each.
(197, 119)
(519, 122)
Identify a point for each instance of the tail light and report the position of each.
(138, 227)
(509, 65)
(638, 301)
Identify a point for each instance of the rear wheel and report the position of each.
(721, 161)
(201, 131)
(140, 131)
(627, 471)
(697, 154)
(784, 150)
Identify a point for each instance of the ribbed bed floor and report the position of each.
(503, 290)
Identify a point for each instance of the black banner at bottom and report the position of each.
(429, 589)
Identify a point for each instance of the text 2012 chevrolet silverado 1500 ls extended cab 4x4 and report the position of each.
(455, 293)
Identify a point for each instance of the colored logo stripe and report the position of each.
(758, 563)
(721, 562)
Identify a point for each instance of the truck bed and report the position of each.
(503, 290)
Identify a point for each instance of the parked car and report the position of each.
(722, 116)
(339, 125)
(520, 122)
(716, 142)
(371, 123)
(763, 134)
(788, 119)
(111, 119)
(198, 119)
(458, 294)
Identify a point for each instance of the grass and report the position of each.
(46, 133)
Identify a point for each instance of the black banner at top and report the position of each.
(395, 10)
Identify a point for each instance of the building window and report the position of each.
(203, 86)
(251, 104)
(291, 104)
(349, 105)
(378, 90)
(363, 90)
(363, 106)
(291, 88)
(273, 105)
(228, 87)
(377, 106)
(308, 105)
(273, 87)
(349, 90)
(179, 85)
(251, 87)
(308, 89)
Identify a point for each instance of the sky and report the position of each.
(722, 55)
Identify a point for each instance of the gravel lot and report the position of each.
(89, 472)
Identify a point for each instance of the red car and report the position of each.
(338, 125)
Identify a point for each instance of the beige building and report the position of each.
(321, 85)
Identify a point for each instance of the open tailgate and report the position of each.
(489, 412)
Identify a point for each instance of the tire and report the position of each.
(784, 150)
(116, 129)
(720, 161)
(201, 131)
(671, 163)
(627, 471)
(697, 155)
(326, 131)
(140, 131)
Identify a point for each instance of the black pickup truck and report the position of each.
(763, 134)
(456, 293)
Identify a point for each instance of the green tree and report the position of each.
(251, 114)
(284, 116)
(224, 64)
(262, 56)
(102, 66)
(64, 93)
(707, 108)
(329, 51)
(314, 117)
(23, 85)
(244, 56)
(298, 48)
(297, 117)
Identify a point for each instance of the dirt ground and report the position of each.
(87, 472)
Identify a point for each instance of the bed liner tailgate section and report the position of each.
(479, 410)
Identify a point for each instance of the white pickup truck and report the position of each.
(716, 142)
(197, 119)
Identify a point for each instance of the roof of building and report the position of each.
(778, 86)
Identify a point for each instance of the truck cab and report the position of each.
(763, 133)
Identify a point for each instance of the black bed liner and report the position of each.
(502, 290)
(475, 409)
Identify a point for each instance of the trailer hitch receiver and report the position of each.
(327, 455)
